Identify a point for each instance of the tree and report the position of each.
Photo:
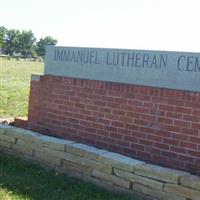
(11, 42)
(3, 32)
(40, 49)
(14, 42)
(26, 44)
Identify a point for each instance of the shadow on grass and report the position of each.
(26, 181)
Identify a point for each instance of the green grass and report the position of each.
(14, 85)
(22, 181)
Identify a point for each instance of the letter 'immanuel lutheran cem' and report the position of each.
(176, 70)
(144, 104)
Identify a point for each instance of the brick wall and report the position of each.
(151, 124)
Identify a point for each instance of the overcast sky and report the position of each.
(135, 24)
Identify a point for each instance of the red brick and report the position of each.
(111, 117)
(161, 146)
(109, 140)
(189, 131)
(117, 124)
(131, 139)
(195, 125)
(195, 139)
(183, 110)
(147, 130)
(159, 159)
(175, 102)
(186, 158)
(131, 127)
(99, 103)
(191, 118)
(129, 151)
(110, 128)
(169, 154)
(118, 112)
(188, 145)
(150, 118)
(142, 110)
(166, 107)
(163, 133)
(134, 102)
(124, 131)
(182, 123)
(115, 148)
(123, 143)
(141, 122)
(144, 155)
(165, 120)
(92, 118)
(177, 149)
(91, 108)
(104, 110)
(196, 112)
(85, 112)
(133, 114)
(102, 132)
(145, 142)
(113, 105)
(116, 135)
(171, 141)
(104, 121)
(154, 138)
(108, 98)
(174, 162)
(194, 153)
(126, 119)
(120, 100)
(137, 146)
(171, 128)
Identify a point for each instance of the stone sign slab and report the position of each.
(164, 69)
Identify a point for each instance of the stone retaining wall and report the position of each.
(111, 170)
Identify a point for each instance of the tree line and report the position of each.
(14, 42)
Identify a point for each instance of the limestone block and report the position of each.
(106, 168)
(159, 173)
(182, 191)
(84, 150)
(157, 194)
(25, 144)
(119, 161)
(3, 128)
(98, 182)
(74, 174)
(23, 134)
(76, 167)
(30, 159)
(4, 144)
(52, 142)
(139, 179)
(47, 157)
(7, 138)
(111, 178)
(22, 149)
(191, 181)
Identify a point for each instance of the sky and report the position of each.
(172, 25)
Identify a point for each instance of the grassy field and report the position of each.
(22, 181)
(14, 85)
